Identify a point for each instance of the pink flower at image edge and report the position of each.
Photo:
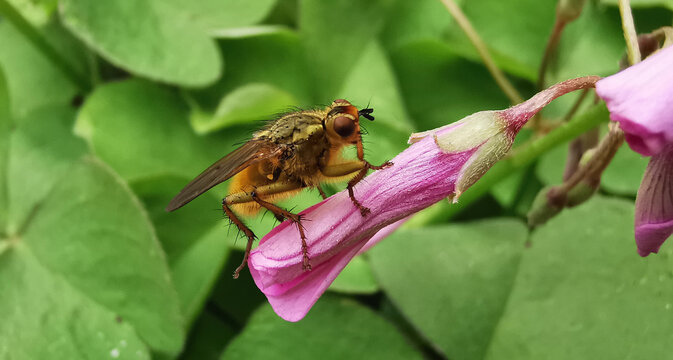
(654, 203)
(640, 99)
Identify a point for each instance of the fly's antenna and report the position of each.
(367, 113)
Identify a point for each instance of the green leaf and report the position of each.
(42, 151)
(43, 314)
(238, 298)
(334, 34)
(142, 130)
(410, 21)
(372, 81)
(439, 88)
(515, 31)
(208, 339)
(5, 129)
(246, 104)
(124, 269)
(142, 38)
(582, 283)
(625, 172)
(194, 238)
(221, 14)
(356, 278)
(85, 249)
(32, 79)
(270, 55)
(452, 282)
(641, 3)
(550, 166)
(37, 12)
(591, 45)
(334, 329)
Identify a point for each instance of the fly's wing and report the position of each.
(249, 153)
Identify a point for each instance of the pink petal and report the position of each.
(293, 300)
(640, 98)
(654, 203)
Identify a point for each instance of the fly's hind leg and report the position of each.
(295, 218)
(246, 230)
(274, 189)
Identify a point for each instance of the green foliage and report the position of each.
(581, 283)
(92, 266)
(146, 39)
(338, 329)
(475, 263)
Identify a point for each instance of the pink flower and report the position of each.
(440, 163)
(654, 203)
(640, 98)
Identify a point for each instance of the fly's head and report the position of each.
(342, 122)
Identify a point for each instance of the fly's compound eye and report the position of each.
(344, 126)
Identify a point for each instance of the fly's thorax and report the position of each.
(304, 164)
(293, 128)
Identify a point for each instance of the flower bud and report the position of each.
(569, 10)
(483, 135)
(545, 206)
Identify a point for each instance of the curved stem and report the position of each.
(34, 36)
(601, 158)
(496, 73)
(632, 49)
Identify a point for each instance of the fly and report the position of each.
(298, 150)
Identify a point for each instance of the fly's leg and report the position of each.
(246, 230)
(359, 168)
(244, 197)
(361, 175)
(295, 218)
(322, 193)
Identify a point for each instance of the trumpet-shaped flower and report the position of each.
(440, 163)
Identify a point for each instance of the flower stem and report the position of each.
(552, 44)
(520, 158)
(496, 73)
(34, 36)
(630, 35)
(593, 169)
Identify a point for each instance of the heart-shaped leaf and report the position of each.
(143, 38)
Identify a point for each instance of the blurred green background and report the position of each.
(107, 108)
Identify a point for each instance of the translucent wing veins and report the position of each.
(249, 153)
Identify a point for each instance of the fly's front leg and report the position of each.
(295, 218)
(361, 175)
(359, 168)
(246, 230)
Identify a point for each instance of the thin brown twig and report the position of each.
(499, 77)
